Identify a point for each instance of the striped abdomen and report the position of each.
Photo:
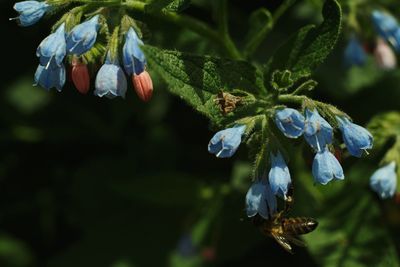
(299, 225)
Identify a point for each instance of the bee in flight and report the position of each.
(286, 230)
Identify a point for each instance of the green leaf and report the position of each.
(351, 231)
(14, 252)
(198, 79)
(384, 127)
(310, 46)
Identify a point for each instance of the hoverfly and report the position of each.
(227, 102)
(286, 230)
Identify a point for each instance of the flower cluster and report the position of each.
(388, 32)
(64, 45)
(317, 132)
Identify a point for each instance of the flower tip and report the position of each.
(143, 86)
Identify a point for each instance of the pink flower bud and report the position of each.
(80, 76)
(143, 86)
(384, 55)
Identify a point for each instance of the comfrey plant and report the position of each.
(82, 39)
(265, 106)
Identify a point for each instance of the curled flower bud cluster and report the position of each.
(74, 44)
(388, 32)
(318, 133)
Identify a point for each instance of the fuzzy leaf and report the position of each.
(309, 47)
(198, 79)
(351, 224)
(384, 127)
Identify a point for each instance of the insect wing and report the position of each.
(283, 242)
(296, 241)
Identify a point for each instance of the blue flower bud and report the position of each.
(30, 12)
(260, 200)
(290, 122)
(384, 181)
(317, 131)
(356, 138)
(133, 57)
(354, 54)
(326, 167)
(50, 77)
(387, 27)
(83, 36)
(279, 176)
(225, 143)
(51, 51)
(110, 80)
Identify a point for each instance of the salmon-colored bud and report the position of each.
(397, 199)
(80, 76)
(143, 85)
(208, 254)
(384, 55)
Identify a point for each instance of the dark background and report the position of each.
(86, 181)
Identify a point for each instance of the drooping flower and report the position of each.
(279, 175)
(354, 54)
(110, 80)
(30, 12)
(326, 167)
(290, 122)
(225, 142)
(387, 27)
(384, 181)
(143, 85)
(80, 76)
(83, 36)
(51, 51)
(384, 55)
(133, 57)
(50, 77)
(317, 131)
(260, 200)
(356, 138)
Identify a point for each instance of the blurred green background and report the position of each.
(86, 181)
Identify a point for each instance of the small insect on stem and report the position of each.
(227, 102)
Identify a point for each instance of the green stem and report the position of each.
(257, 39)
(294, 99)
(223, 28)
(193, 24)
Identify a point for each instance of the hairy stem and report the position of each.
(193, 24)
(223, 28)
(257, 39)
